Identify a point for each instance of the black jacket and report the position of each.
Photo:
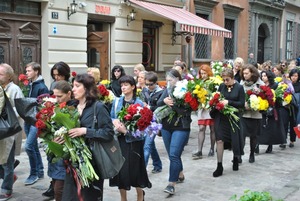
(151, 98)
(37, 88)
(103, 129)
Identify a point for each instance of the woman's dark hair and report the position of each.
(270, 75)
(63, 86)
(63, 69)
(151, 76)
(91, 90)
(117, 67)
(174, 73)
(130, 80)
(254, 72)
(292, 72)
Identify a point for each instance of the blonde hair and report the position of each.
(240, 61)
(139, 67)
(95, 73)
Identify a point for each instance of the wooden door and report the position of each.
(19, 42)
(97, 52)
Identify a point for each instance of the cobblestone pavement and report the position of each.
(277, 173)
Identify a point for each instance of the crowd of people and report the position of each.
(274, 127)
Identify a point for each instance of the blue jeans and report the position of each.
(32, 150)
(150, 149)
(7, 173)
(174, 143)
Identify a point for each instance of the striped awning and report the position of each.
(185, 20)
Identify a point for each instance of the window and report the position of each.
(289, 40)
(202, 43)
(20, 6)
(229, 42)
(2, 55)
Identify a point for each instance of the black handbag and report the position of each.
(9, 124)
(27, 108)
(107, 155)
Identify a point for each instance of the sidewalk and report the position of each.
(277, 173)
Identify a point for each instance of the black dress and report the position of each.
(133, 173)
(272, 129)
(231, 138)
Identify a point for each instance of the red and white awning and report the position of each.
(185, 20)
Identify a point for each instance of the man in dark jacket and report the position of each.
(37, 87)
(151, 94)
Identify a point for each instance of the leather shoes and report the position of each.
(251, 158)
(50, 192)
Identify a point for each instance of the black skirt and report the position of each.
(133, 172)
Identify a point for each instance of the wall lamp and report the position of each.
(72, 9)
(131, 17)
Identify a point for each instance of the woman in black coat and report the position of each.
(116, 72)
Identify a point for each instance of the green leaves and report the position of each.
(253, 196)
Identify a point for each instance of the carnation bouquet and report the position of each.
(106, 96)
(283, 94)
(55, 120)
(227, 110)
(186, 94)
(218, 66)
(24, 84)
(260, 99)
(136, 119)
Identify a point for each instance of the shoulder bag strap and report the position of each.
(95, 121)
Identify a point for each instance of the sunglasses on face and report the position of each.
(150, 84)
(226, 79)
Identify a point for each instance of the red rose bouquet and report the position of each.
(227, 110)
(24, 84)
(136, 119)
(55, 120)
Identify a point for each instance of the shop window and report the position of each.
(229, 48)
(20, 6)
(202, 43)
(289, 40)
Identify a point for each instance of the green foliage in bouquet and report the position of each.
(253, 196)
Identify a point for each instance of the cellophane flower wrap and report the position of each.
(105, 96)
(218, 66)
(55, 120)
(186, 94)
(136, 119)
(260, 98)
(227, 110)
(283, 94)
(24, 84)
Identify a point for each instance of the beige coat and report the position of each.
(7, 143)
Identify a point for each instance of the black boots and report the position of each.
(50, 192)
(251, 158)
(235, 166)
(269, 149)
(219, 171)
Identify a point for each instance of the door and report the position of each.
(97, 52)
(19, 43)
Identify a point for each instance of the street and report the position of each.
(277, 173)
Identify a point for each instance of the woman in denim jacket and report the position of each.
(133, 172)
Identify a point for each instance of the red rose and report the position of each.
(73, 74)
(26, 82)
(219, 106)
(132, 109)
(249, 92)
(188, 97)
(22, 77)
(40, 125)
(62, 105)
(127, 117)
(49, 104)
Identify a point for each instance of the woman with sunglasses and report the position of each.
(251, 120)
(228, 137)
(116, 73)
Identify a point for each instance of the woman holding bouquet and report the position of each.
(272, 124)
(227, 134)
(175, 131)
(133, 172)
(86, 93)
(204, 119)
(251, 120)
